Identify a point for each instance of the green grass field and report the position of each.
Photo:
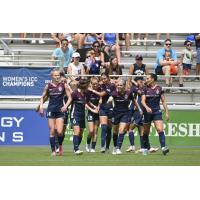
(40, 156)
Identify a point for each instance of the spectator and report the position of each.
(92, 63)
(158, 43)
(111, 42)
(197, 43)
(58, 37)
(138, 68)
(114, 68)
(41, 41)
(163, 66)
(90, 38)
(75, 68)
(63, 55)
(187, 57)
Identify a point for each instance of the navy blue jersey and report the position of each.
(108, 88)
(153, 96)
(139, 70)
(122, 101)
(78, 104)
(92, 97)
(56, 95)
(95, 67)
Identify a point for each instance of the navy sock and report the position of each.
(52, 143)
(103, 134)
(76, 142)
(56, 139)
(162, 139)
(88, 139)
(141, 142)
(60, 139)
(120, 140)
(80, 139)
(131, 138)
(115, 137)
(93, 145)
(146, 141)
(108, 137)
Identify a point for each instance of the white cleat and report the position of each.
(92, 151)
(145, 152)
(153, 150)
(87, 148)
(103, 149)
(78, 152)
(53, 154)
(57, 150)
(114, 151)
(131, 149)
(118, 152)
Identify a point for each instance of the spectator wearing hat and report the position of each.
(163, 67)
(75, 68)
(62, 55)
(138, 68)
(197, 43)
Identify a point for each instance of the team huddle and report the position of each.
(114, 105)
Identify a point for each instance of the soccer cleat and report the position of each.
(60, 150)
(131, 149)
(53, 154)
(78, 152)
(152, 150)
(165, 150)
(103, 149)
(114, 151)
(87, 148)
(57, 150)
(145, 152)
(92, 151)
(118, 151)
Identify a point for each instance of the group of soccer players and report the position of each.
(112, 104)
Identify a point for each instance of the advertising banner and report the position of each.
(23, 127)
(23, 81)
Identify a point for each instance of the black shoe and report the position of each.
(165, 150)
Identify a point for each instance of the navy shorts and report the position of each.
(149, 117)
(187, 66)
(159, 71)
(137, 118)
(92, 117)
(106, 112)
(120, 118)
(55, 115)
(78, 121)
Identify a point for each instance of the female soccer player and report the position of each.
(56, 90)
(77, 114)
(121, 99)
(105, 112)
(93, 103)
(152, 94)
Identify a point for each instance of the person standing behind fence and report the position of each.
(56, 108)
(62, 55)
(197, 43)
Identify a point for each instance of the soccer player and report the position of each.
(151, 96)
(77, 114)
(105, 112)
(121, 99)
(136, 119)
(93, 103)
(55, 91)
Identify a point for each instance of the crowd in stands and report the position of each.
(98, 52)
